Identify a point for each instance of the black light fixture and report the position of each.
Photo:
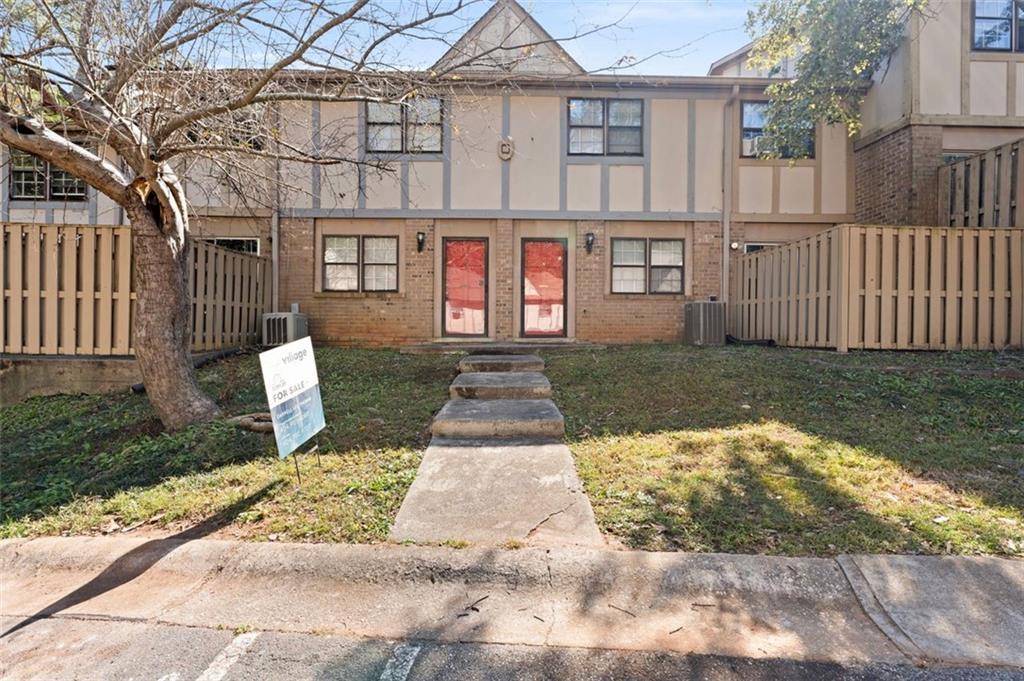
(421, 241)
(590, 242)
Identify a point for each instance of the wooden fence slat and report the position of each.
(4, 272)
(919, 337)
(1016, 286)
(87, 305)
(984, 270)
(1003, 175)
(14, 254)
(105, 310)
(951, 286)
(122, 322)
(968, 289)
(69, 291)
(1001, 289)
(887, 323)
(32, 291)
(901, 316)
(51, 268)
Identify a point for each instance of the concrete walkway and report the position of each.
(496, 472)
(896, 611)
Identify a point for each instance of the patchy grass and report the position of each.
(95, 464)
(756, 450)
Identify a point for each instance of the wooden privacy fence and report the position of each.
(898, 288)
(68, 290)
(983, 190)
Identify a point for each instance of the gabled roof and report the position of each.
(728, 59)
(507, 38)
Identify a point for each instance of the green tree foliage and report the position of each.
(839, 45)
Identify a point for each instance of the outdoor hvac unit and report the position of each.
(284, 327)
(704, 323)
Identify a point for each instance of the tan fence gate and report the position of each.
(67, 290)
(898, 288)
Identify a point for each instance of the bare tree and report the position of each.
(125, 94)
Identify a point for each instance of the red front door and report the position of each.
(465, 287)
(544, 279)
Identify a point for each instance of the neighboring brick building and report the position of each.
(577, 206)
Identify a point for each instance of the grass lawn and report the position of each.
(751, 450)
(758, 450)
(93, 464)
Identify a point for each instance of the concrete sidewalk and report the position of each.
(856, 610)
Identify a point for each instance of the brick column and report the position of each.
(504, 280)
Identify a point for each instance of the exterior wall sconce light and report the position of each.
(421, 241)
(590, 242)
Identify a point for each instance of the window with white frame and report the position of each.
(647, 265)
(606, 127)
(998, 25)
(752, 247)
(411, 127)
(360, 263)
(752, 125)
(34, 179)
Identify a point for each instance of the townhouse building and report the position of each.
(571, 206)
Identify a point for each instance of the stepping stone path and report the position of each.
(496, 471)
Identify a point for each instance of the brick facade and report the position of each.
(360, 318)
(408, 316)
(616, 318)
(897, 177)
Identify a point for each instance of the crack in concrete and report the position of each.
(549, 516)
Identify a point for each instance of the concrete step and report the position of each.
(499, 419)
(501, 385)
(471, 363)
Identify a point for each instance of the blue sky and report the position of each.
(693, 33)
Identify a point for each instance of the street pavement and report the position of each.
(64, 648)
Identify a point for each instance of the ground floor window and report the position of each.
(647, 265)
(360, 263)
(751, 247)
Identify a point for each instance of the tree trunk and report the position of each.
(162, 323)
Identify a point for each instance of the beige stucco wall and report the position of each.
(534, 170)
(669, 164)
(583, 187)
(426, 183)
(940, 45)
(626, 188)
(988, 88)
(339, 184)
(296, 121)
(476, 169)
(709, 149)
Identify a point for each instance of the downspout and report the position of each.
(275, 228)
(727, 189)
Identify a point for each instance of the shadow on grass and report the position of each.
(57, 449)
(140, 559)
(945, 420)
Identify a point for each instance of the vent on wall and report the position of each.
(284, 327)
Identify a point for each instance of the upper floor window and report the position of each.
(998, 25)
(34, 179)
(411, 127)
(752, 131)
(606, 127)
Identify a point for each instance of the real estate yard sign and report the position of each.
(293, 391)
